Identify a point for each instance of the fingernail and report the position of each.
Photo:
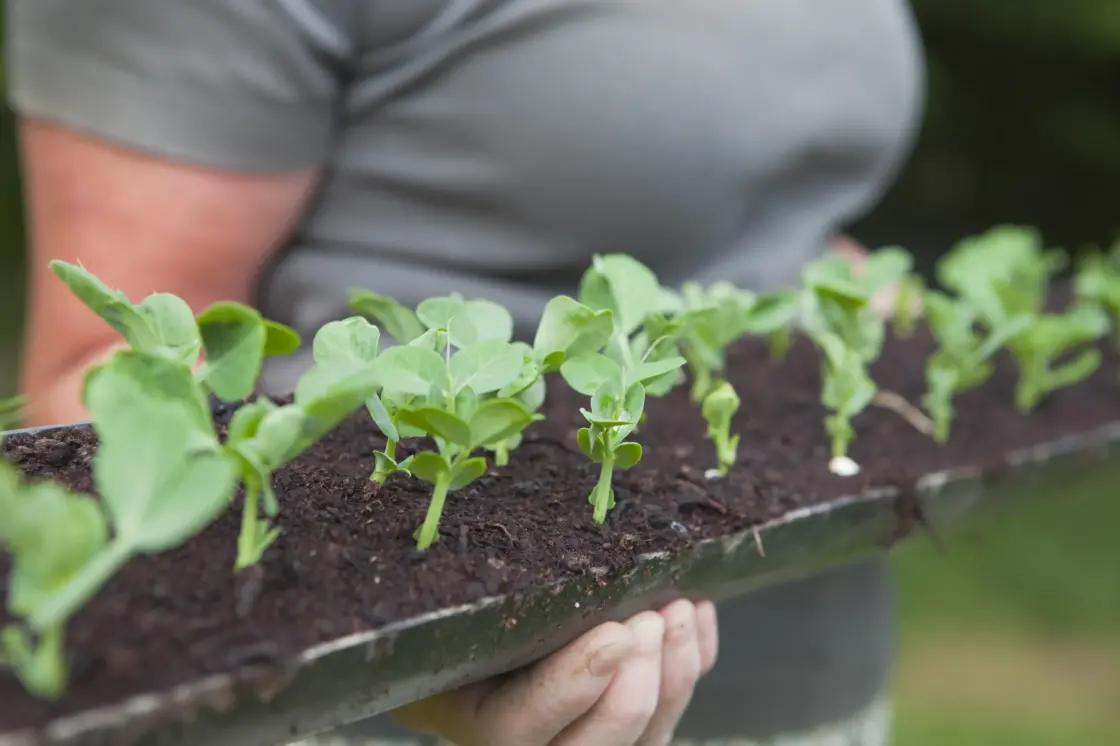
(606, 660)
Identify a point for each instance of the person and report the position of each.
(278, 152)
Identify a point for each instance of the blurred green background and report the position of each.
(1013, 636)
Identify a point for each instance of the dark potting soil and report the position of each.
(346, 560)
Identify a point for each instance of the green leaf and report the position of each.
(466, 322)
(583, 437)
(942, 382)
(401, 323)
(328, 396)
(634, 401)
(485, 366)
(173, 324)
(498, 419)
(156, 378)
(883, 267)
(412, 370)
(245, 423)
(437, 313)
(112, 306)
(433, 339)
(382, 418)
(772, 312)
(830, 277)
(623, 285)
(569, 329)
(384, 467)
(51, 533)
(280, 339)
(490, 320)
(720, 405)
(605, 422)
(437, 422)
(158, 478)
(279, 437)
(233, 337)
(650, 370)
(352, 341)
(466, 472)
(529, 373)
(627, 455)
(428, 466)
(587, 372)
(532, 397)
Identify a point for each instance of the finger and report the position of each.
(680, 669)
(707, 634)
(622, 714)
(533, 706)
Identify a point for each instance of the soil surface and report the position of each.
(346, 561)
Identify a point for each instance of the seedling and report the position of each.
(234, 338)
(1049, 339)
(908, 306)
(838, 316)
(719, 406)
(617, 404)
(705, 321)
(51, 535)
(642, 341)
(263, 436)
(709, 319)
(1097, 282)
(962, 361)
(847, 391)
(838, 301)
(162, 477)
(455, 383)
(1005, 275)
(640, 358)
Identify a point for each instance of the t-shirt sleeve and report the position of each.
(239, 84)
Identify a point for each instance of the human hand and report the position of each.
(617, 685)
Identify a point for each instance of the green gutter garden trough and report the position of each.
(202, 565)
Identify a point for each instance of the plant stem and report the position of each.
(701, 378)
(622, 342)
(429, 532)
(601, 495)
(780, 342)
(247, 552)
(61, 605)
(501, 455)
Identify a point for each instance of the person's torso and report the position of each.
(494, 146)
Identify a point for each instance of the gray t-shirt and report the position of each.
(493, 146)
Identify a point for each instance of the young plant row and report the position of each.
(161, 469)
(456, 378)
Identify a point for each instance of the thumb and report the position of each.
(532, 706)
